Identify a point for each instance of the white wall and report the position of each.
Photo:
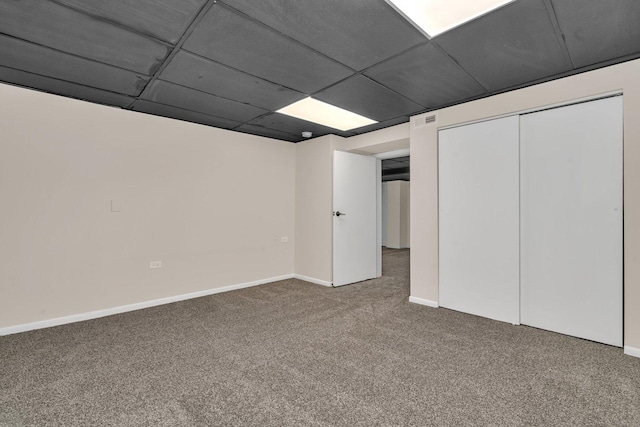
(313, 233)
(61, 162)
(397, 214)
(383, 213)
(424, 172)
(314, 194)
(381, 141)
(210, 204)
(314, 208)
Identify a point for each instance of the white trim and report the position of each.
(313, 280)
(426, 302)
(536, 109)
(132, 307)
(393, 154)
(630, 351)
(378, 218)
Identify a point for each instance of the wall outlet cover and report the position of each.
(155, 264)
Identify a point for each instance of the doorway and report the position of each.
(395, 203)
(370, 199)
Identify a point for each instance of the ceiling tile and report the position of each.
(166, 19)
(269, 133)
(510, 46)
(386, 165)
(61, 28)
(232, 39)
(395, 163)
(597, 30)
(190, 99)
(427, 76)
(399, 177)
(294, 126)
(181, 114)
(60, 87)
(357, 33)
(368, 98)
(199, 73)
(22, 55)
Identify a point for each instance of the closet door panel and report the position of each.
(479, 219)
(571, 220)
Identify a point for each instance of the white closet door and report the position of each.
(479, 219)
(571, 220)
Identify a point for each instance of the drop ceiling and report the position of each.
(232, 63)
(396, 169)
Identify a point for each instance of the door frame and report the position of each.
(379, 157)
(595, 97)
(378, 202)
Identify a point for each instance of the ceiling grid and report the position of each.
(233, 63)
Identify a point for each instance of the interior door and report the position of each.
(571, 229)
(479, 219)
(355, 205)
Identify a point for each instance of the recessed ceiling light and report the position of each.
(315, 111)
(437, 16)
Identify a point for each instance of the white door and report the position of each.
(571, 225)
(355, 226)
(479, 219)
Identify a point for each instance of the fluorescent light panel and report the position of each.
(315, 111)
(437, 16)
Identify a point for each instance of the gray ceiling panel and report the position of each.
(186, 115)
(358, 33)
(597, 30)
(294, 126)
(199, 73)
(396, 163)
(232, 39)
(397, 177)
(269, 133)
(60, 87)
(368, 98)
(426, 75)
(236, 62)
(166, 19)
(61, 28)
(190, 99)
(22, 55)
(511, 46)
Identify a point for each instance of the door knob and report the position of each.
(338, 213)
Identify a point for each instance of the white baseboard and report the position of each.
(132, 307)
(313, 280)
(426, 302)
(635, 352)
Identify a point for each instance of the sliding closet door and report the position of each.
(571, 224)
(478, 221)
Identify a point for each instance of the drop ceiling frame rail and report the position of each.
(111, 22)
(21, 72)
(176, 48)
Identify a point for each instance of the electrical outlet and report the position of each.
(116, 206)
(284, 239)
(155, 264)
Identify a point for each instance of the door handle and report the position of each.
(338, 213)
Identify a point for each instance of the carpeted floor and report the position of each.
(297, 354)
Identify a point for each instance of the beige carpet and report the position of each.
(297, 354)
